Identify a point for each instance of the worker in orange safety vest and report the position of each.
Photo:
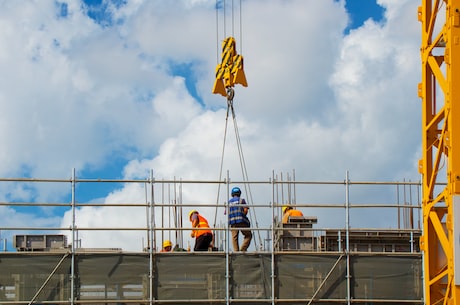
(289, 211)
(203, 236)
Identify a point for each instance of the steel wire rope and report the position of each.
(244, 172)
(221, 166)
(224, 22)
(230, 94)
(228, 105)
(243, 167)
(240, 24)
(233, 20)
(226, 120)
(241, 28)
(225, 13)
(217, 31)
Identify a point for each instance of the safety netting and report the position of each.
(210, 277)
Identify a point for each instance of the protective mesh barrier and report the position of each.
(251, 276)
(202, 278)
(183, 276)
(382, 277)
(112, 276)
(372, 277)
(300, 276)
(24, 276)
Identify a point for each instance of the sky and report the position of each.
(118, 89)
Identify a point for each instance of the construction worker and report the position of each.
(289, 211)
(167, 246)
(238, 220)
(203, 237)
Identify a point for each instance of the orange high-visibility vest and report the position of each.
(203, 223)
(295, 213)
(291, 212)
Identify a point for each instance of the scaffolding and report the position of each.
(331, 256)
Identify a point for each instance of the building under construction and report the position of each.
(303, 261)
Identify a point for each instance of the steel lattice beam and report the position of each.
(440, 93)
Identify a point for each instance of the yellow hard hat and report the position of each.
(191, 213)
(285, 208)
(167, 243)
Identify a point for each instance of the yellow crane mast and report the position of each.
(440, 163)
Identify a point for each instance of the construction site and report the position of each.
(297, 262)
(398, 246)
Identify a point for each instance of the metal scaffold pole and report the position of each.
(272, 254)
(347, 232)
(74, 241)
(151, 236)
(227, 249)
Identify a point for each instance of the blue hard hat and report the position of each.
(236, 191)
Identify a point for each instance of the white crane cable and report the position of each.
(244, 171)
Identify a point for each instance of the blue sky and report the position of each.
(115, 89)
(361, 11)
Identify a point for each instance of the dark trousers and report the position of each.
(202, 242)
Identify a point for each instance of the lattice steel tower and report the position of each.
(440, 163)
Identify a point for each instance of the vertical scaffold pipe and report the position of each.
(272, 250)
(151, 235)
(347, 232)
(227, 250)
(74, 241)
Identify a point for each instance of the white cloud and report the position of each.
(74, 94)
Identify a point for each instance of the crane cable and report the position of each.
(228, 73)
(244, 171)
(224, 6)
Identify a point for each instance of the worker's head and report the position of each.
(236, 191)
(191, 213)
(286, 208)
(167, 245)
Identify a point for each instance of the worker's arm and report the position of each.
(286, 217)
(245, 208)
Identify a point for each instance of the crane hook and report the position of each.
(230, 93)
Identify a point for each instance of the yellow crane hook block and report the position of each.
(230, 71)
